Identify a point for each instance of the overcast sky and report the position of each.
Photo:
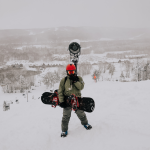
(18, 14)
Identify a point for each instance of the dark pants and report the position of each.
(66, 117)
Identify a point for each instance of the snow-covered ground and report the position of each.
(121, 120)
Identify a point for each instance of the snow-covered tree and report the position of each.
(127, 65)
(122, 76)
(104, 66)
(23, 83)
(100, 67)
(84, 69)
(111, 69)
(51, 78)
(62, 71)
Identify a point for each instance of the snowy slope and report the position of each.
(120, 120)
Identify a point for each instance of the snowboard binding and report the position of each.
(50, 98)
(54, 98)
(72, 101)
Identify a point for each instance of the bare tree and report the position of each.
(127, 68)
(84, 69)
(100, 67)
(50, 79)
(104, 66)
(111, 69)
(122, 76)
(62, 71)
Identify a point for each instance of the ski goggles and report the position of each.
(71, 72)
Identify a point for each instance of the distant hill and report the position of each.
(48, 35)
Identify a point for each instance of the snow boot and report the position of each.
(64, 134)
(88, 126)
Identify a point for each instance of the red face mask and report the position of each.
(71, 72)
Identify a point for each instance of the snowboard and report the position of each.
(86, 104)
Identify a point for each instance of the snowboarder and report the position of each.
(95, 78)
(73, 85)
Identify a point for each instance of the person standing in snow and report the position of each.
(95, 78)
(73, 85)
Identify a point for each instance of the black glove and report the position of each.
(74, 78)
(63, 105)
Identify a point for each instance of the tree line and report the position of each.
(33, 53)
(17, 80)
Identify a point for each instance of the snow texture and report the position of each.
(121, 120)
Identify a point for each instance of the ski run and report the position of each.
(120, 121)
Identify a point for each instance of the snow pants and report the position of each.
(66, 117)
